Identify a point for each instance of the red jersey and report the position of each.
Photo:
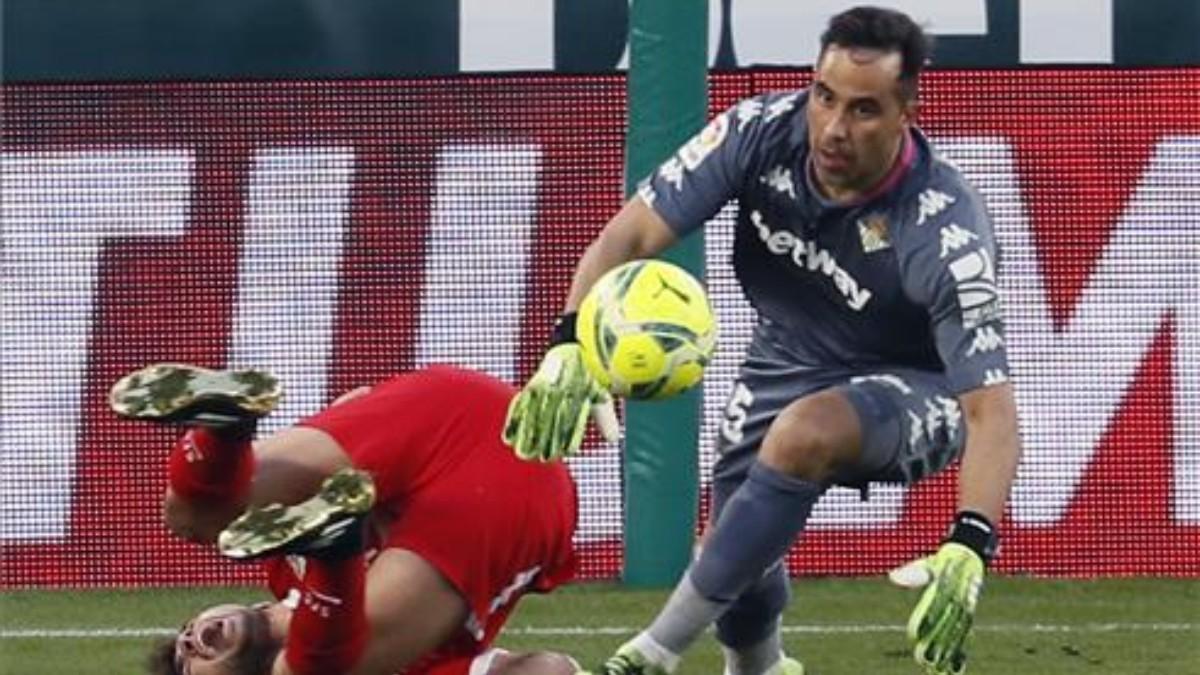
(495, 526)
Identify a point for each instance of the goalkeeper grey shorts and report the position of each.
(912, 425)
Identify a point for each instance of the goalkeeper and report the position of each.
(410, 533)
(878, 355)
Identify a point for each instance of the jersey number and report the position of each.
(735, 413)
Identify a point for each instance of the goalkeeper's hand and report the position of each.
(547, 419)
(952, 578)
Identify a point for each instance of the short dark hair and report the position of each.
(162, 659)
(886, 29)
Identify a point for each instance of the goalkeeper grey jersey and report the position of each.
(906, 277)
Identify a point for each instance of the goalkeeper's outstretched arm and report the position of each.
(941, 622)
(636, 231)
(992, 452)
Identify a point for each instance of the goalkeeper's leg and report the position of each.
(794, 444)
(749, 630)
(753, 533)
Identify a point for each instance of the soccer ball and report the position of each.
(646, 330)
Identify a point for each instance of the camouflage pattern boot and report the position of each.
(170, 393)
(328, 524)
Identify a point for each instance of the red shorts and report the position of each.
(485, 541)
(495, 526)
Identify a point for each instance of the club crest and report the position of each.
(873, 230)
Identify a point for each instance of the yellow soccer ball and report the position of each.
(646, 330)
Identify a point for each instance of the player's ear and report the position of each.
(905, 92)
(909, 107)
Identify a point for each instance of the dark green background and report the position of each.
(94, 40)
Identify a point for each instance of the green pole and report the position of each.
(668, 103)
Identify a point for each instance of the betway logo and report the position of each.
(806, 255)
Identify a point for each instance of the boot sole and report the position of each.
(275, 528)
(180, 393)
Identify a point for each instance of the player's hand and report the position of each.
(547, 419)
(940, 623)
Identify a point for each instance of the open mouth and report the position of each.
(217, 635)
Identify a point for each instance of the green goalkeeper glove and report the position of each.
(547, 419)
(953, 577)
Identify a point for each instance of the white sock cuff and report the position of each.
(658, 654)
(734, 664)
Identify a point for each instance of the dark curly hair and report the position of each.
(885, 29)
(161, 660)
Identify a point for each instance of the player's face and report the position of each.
(219, 640)
(857, 118)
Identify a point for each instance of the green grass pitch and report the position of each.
(838, 627)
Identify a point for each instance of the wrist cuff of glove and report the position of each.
(977, 533)
(564, 329)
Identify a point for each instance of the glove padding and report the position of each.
(547, 419)
(940, 623)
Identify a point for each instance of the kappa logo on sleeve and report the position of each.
(930, 203)
(978, 296)
(954, 237)
(746, 112)
(986, 339)
(782, 106)
(780, 180)
(672, 172)
(693, 153)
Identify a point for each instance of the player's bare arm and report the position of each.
(992, 451)
(546, 421)
(636, 231)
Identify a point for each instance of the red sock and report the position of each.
(328, 632)
(207, 467)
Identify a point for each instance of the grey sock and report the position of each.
(684, 617)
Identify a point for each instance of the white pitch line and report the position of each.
(58, 633)
(827, 629)
(851, 629)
